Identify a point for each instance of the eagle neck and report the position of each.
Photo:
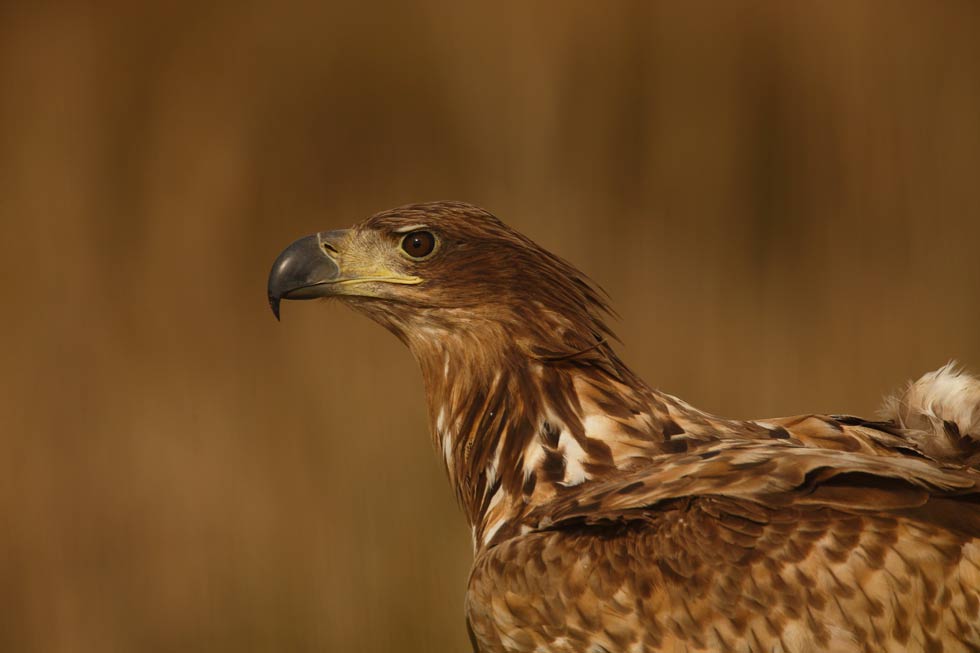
(482, 408)
(516, 432)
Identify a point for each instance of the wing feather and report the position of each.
(770, 473)
(725, 574)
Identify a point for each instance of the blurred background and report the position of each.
(783, 200)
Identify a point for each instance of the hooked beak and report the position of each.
(305, 269)
(321, 265)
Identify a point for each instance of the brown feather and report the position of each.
(611, 517)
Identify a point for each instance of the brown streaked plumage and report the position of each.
(608, 516)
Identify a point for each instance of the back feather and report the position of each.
(940, 413)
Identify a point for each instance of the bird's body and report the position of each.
(718, 574)
(608, 516)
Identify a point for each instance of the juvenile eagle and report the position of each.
(610, 517)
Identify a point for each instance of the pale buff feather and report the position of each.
(940, 412)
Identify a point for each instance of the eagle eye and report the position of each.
(418, 244)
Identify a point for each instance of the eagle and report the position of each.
(610, 517)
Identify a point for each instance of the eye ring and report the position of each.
(419, 244)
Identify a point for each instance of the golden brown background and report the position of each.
(782, 199)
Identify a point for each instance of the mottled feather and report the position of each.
(608, 516)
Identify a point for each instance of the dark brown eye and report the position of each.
(419, 244)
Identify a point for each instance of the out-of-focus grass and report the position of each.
(780, 198)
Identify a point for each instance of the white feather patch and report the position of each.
(495, 524)
(947, 396)
(533, 455)
(575, 458)
(601, 427)
(446, 439)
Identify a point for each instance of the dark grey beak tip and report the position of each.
(302, 271)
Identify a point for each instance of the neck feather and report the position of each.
(517, 430)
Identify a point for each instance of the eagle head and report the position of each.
(446, 268)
